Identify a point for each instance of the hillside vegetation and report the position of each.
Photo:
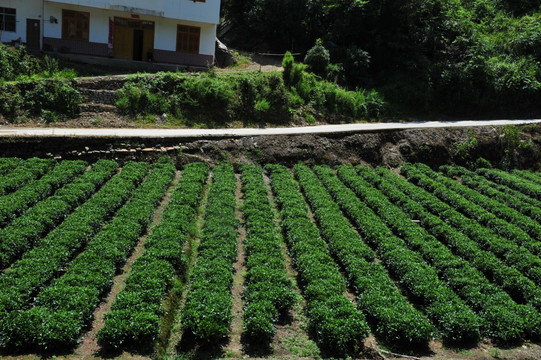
(34, 88)
(252, 98)
(467, 58)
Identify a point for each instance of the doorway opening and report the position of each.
(133, 39)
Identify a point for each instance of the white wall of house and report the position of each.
(26, 9)
(206, 12)
(204, 15)
(99, 22)
(165, 37)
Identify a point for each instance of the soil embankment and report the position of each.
(389, 148)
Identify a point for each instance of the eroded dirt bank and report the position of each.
(382, 148)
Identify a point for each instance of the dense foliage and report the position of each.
(507, 196)
(24, 90)
(207, 314)
(378, 296)
(335, 323)
(26, 230)
(414, 274)
(450, 255)
(250, 97)
(499, 240)
(462, 58)
(63, 308)
(135, 315)
(514, 322)
(268, 290)
(29, 275)
(21, 175)
(455, 236)
(15, 203)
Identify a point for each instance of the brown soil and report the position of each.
(383, 148)
(89, 343)
(234, 347)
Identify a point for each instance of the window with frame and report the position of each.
(8, 19)
(75, 25)
(188, 39)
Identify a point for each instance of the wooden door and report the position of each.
(148, 44)
(33, 34)
(123, 43)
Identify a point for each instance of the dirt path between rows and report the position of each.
(235, 347)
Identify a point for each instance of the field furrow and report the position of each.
(14, 204)
(413, 201)
(39, 266)
(207, 314)
(526, 187)
(414, 274)
(507, 250)
(29, 170)
(502, 194)
(268, 290)
(501, 219)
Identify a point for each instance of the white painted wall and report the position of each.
(207, 12)
(165, 31)
(26, 9)
(99, 22)
(165, 34)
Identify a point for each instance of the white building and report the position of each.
(167, 31)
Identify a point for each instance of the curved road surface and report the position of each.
(181, 133)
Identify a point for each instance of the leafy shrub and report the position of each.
(207, 313)
(337, 326)
(16, 62)
(318, 59)
(134, 99)
(248, 97)
(356, 65)
(135, 316)
(11, 101)
(262, 106)
(340, 327)
(53, 95)
(287, 63)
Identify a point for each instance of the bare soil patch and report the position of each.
(235, 347)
